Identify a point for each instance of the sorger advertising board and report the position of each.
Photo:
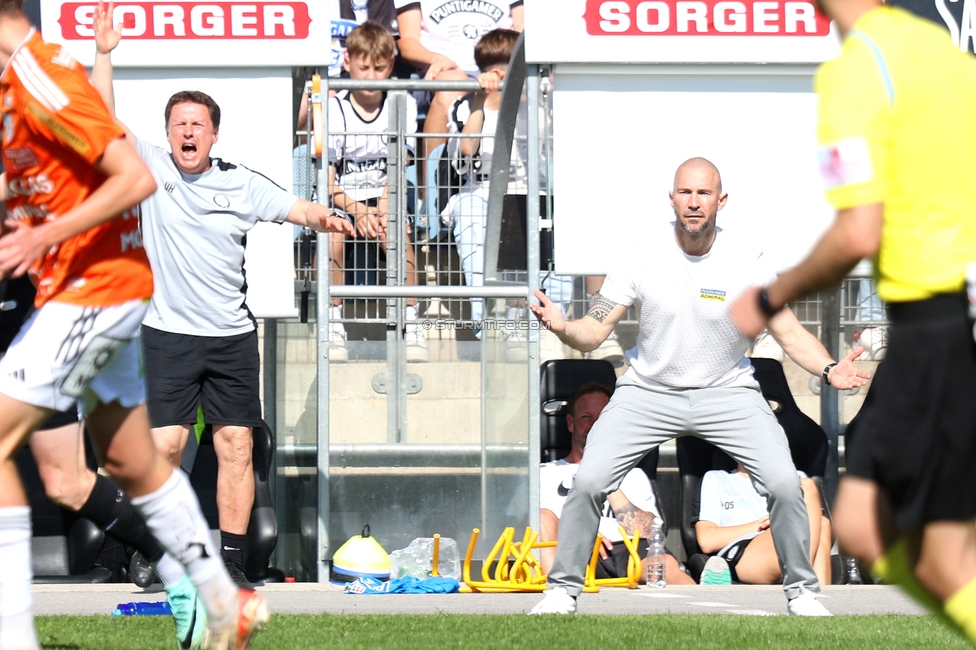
(193, 34)
(677, 31)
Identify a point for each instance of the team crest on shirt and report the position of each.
(712, 294)
(222, 200)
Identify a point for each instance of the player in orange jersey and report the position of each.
(73, 180)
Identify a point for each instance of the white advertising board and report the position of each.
(677, 31)
(621, 131)
(240, 54)
(200, 34)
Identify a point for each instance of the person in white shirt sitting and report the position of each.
(733, 524)
(632, 505)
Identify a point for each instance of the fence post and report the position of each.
(830, 398)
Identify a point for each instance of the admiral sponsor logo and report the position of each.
(196, 20)
(63, 133)
(466, 6)
(712, 294)
(18, 159)
(704, 18)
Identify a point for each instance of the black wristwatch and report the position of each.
(765, 306)
(826, 372)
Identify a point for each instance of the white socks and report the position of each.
(173, 516)
(169, 570)
(16, 617)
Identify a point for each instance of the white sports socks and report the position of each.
(16, 617)
(173, 515)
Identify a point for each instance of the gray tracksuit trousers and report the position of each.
(637, 419)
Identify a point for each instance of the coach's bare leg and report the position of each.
(235, 477)
(171, 441)
(165, 499)
(60, 457)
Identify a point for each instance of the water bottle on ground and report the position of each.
(655, 558)
(160, 608)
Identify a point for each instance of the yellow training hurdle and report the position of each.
(517, 569)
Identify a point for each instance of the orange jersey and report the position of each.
(55, 129)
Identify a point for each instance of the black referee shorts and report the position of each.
(916, 432)
(219, 372)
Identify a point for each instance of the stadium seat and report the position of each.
(262, 531)
(808, 447)
(559, 380)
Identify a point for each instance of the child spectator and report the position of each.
(358, 187)
(466, 211)
(439, 39)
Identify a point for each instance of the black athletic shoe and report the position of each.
(141, 571)
(236, 572)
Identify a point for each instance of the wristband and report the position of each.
(826, 372)
(764, 305)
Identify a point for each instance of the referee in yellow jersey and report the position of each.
(898, 155)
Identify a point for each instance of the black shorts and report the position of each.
(916, 432)
(733, 554)
(60, 419)
(184, 371)
(615, 564)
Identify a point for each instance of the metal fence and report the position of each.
(407, 289)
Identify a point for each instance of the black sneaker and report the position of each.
(236, 572)
(141, 571)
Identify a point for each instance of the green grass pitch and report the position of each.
(668, 632)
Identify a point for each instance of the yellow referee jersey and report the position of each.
(897, 114)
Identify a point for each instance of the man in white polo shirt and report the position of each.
(690, 377)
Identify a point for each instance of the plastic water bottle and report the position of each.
(160, 608)
(655, 558)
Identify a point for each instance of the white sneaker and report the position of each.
(806, 604)
(609, 350)
(337, 343)
(555, 601)
(416, 341)
(716, 572)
